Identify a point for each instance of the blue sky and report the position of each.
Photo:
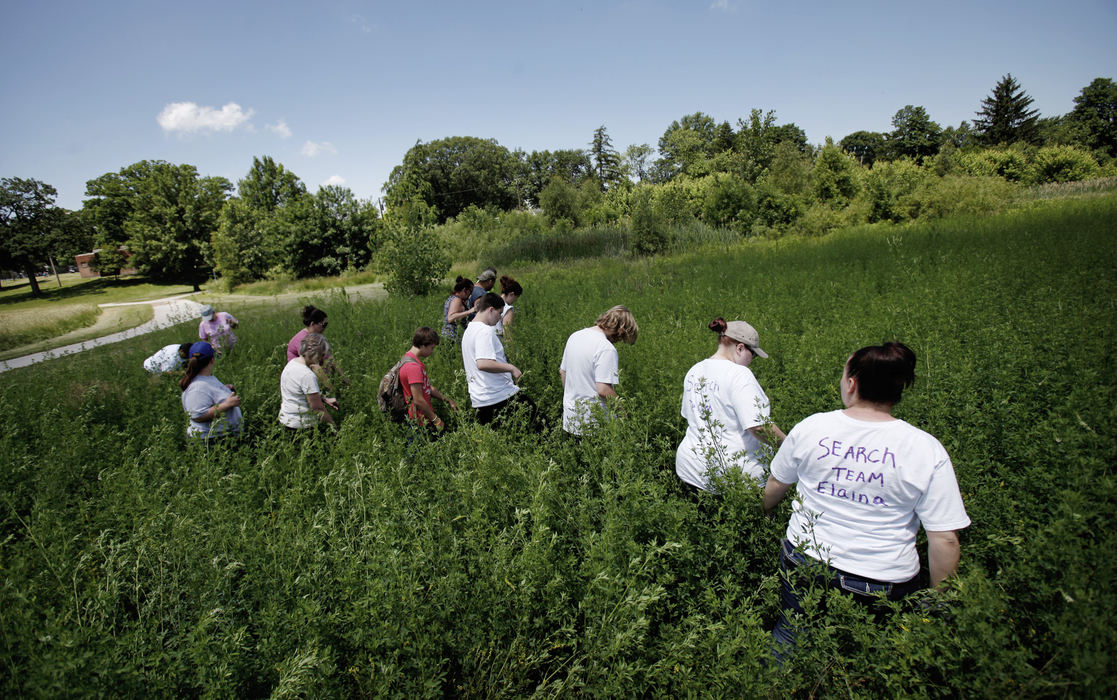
(338, 90)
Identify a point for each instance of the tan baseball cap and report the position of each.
(744, 333)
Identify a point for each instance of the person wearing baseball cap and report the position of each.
(213, 407)
(727, 415)
(485, 283)
(217, 328)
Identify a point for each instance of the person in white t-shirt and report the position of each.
(866, 481)
(168, 358)
(490, 377)
(301, 402)
(727, 415)
(510, 291)
(590, 367)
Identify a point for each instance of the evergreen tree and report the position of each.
(606, 160)
(1004, 117)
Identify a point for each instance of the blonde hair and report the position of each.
(618, 324)
(314, 348)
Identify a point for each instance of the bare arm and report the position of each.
(229, 403)
(604, 390)
(486, 365)
(318, 405)
(769, 434)
(562, 376)
(943, 553)
(457, 310)
(423, 405)
(774, 491)
(435, 393)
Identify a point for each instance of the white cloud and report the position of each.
(723, 5)
(361, 23)
(280, 129)
(335, 180)
(312, 149)
(188, 117)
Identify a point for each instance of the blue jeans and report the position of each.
(864, 590)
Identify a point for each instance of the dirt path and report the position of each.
(174, 310)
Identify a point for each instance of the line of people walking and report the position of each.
(865, 481)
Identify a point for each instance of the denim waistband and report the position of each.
(851, 581)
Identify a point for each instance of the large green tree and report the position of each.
(687, 145)
(29, 219)
(268, 185)
(112, 199)
(755, 143)
(913, 134)
(175, 213)
(1004, 117)
(331, 232)
(539, 168)
(251, 238)
(1095, 116)
(452, 173)
(865, 146)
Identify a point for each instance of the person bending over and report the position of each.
(590, 367)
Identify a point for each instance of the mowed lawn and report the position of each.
(28, 321)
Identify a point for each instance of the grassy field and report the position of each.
(518, 563)
(29, 324)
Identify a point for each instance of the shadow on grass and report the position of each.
(93, 287)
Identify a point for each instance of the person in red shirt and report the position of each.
(416, 385)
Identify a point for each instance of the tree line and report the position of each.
(755, 176)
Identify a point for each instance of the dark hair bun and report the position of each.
(718, 325)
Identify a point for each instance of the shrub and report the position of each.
(413, 257)
(730, 203)
(1010, 163)
(888, 190)
(647, 226)
(1062, 164)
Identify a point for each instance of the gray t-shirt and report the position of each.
(199, 397)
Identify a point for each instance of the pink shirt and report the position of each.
(293, 346)
(218, 331)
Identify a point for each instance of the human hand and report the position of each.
(453, 406)
(331, 402)
(516, 373)
(232, 401)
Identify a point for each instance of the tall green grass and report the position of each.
(513, 563)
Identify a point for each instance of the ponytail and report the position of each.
(196, 364)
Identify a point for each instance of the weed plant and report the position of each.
(504, 563)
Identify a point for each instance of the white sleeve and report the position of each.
(308, 383)
(785, 465)
(486, 345)
(941, 508)
(749, 403)
(605, 366)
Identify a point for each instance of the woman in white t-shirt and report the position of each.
(726, 411)
(510, 291)
(301, 402)
(865, 481)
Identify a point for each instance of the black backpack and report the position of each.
(390, 394)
